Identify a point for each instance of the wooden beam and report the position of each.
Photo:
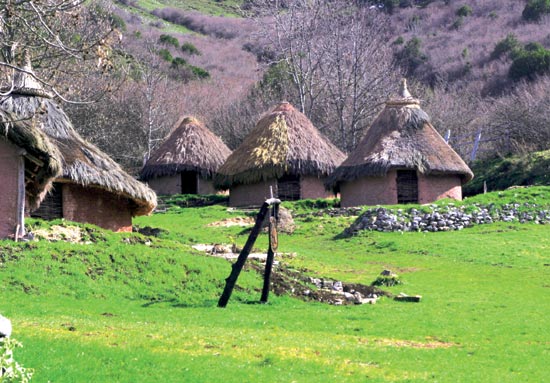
(32, 158)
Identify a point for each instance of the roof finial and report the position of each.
(404, 92)
(25, 81)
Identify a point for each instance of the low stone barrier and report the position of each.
(446, 218)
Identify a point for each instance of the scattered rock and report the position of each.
(402, 297)
(5, 327)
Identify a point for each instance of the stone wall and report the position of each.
(96, 206)
(205, 186)
(9, 163)
(445, 218)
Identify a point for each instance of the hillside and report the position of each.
(478, 66)
(91, 305)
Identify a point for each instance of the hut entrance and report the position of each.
(407, 186)
(52, 205)
(288, 188)
(188, 182)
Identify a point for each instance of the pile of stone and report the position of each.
(340, 293)
(446, 218)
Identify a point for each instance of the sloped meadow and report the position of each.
(94, 306)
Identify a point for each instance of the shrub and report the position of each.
(535, 9)
(530, 63)
(411, 56)
(166, 55)
(399, 41)
(169, 40)
(178, 62)
(464, 11)
(199, 73)
(190, 49)
(458, 23)
(507, 45)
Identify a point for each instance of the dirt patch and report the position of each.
(413, 344)
(235, 221)
(57, 233)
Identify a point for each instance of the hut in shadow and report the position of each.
(91, 188)
(186, 162)
(401, 159)
(285, 152)
(28, 164)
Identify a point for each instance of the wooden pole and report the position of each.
(273, 244)
(238, 265)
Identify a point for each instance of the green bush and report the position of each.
(530, 63)
(166, 55)
(399, 41)
(464, 11)
(507, 45)
(178, 62)
(411, 56)
(190, 49)
(169, 40)
(535, 9)
(199, 73)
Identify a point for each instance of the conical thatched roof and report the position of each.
(190, 147)
(283, 142)
(82, 162)
(401, 137)
(40, 152)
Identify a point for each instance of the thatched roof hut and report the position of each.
(190, 148)
(82, 163)
(401, 137)
(42, 158)
(284, 143)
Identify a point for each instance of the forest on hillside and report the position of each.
(127, 70)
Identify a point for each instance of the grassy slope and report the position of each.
(501, 173)
(150, 314)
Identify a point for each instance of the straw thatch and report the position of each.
(190, 147)
(82, 162)
(46, 159)
(284, 142)
(401, 137)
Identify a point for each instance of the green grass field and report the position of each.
(130, 308)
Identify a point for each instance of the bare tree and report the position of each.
(337, 57)
(56, 34)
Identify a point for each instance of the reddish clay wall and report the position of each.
(205, 186)
(166, 185)
(250, 195)
(369, 191)
(313, 187)
(432, 188)
(96, 206)
(9, 162)
(383, 190)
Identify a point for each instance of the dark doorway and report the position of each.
(52, 205)
(288, 188)
(407, 186)
(188, 182)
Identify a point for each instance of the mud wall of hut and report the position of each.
(9, 165)
(205, 186)
(166, 185)
(313, 187)
(97, 207)
(250, 195)
(369, 191)
(432, 188)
